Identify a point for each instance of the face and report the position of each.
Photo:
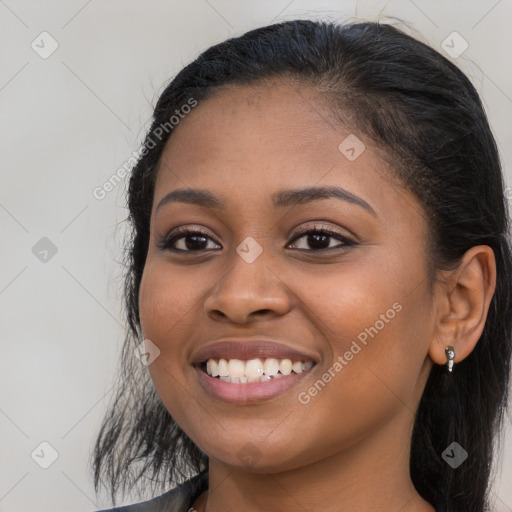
(336, 283)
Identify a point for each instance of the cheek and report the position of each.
(343, 302)
(168, 305)
(166, 298)
(375, 323)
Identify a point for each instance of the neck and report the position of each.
(372, 474)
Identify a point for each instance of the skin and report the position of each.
(348, 448)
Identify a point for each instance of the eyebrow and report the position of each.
(280, 199)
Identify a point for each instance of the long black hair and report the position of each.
(425, 114)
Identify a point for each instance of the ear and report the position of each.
(462, 298)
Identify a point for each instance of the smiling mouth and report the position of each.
(237, 371)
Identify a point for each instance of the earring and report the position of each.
(450, 355)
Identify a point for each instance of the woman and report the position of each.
(320, 270)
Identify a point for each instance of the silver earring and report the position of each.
(450, 356)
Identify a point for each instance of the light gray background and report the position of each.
(68, 123)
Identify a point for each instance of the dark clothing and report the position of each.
(179, 499)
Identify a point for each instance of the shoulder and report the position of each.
(178, 499)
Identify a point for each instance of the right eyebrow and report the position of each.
(193, 196)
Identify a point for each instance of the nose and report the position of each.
(248, 291)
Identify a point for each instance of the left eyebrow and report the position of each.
(280, 199)
(285, 198)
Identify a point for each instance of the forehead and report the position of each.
(281, 121)
(245, 142)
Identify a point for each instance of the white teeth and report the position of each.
(271, 366)
(223, 368)
(234, 380)
(285, 367)
(253, 369)
(237, 371)
(212, 368)
(297, 367)
(236, 368)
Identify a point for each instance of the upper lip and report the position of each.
(250, 349)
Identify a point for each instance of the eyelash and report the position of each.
(180, 233)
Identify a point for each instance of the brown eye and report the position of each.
(187, 240)
(319, 239)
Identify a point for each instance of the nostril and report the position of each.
(263, 311)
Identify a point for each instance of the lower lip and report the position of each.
(250, 392)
